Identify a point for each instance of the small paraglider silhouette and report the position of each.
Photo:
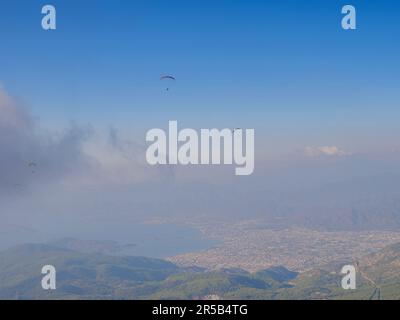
(167, 77)
(32, 165)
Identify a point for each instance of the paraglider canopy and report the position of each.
(167, 77)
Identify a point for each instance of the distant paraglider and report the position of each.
(166, 78)
(32, 165)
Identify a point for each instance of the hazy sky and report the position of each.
(79, 100)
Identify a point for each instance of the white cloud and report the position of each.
(116, 160)
(331, 151)
(75, 156)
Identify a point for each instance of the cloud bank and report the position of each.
(23, 144)
(87, 179)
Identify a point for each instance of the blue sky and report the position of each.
(283, 67)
